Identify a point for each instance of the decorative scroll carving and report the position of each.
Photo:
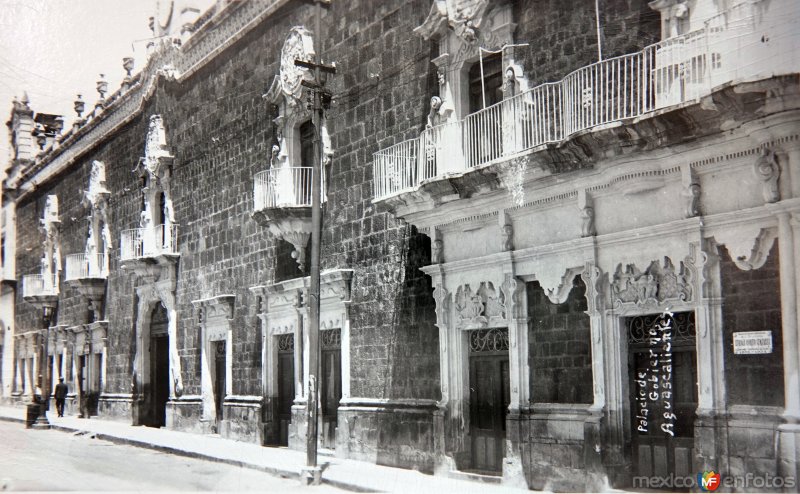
(657, 284)
(331, 339)
(488, 340)
(286, 342)
(477, 309)
(768, 171)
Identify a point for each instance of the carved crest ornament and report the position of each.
(656, 285)
(477, 309)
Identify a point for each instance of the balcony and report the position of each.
(88, 273)
(282, 203)
(41, 290)
(282, 188)
(149, 243)
(742, 44)
(82, 266)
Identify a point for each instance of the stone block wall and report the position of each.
(242, 420)
(556, 445)
(752, 302)
(563, 34)
(388, 436)
(559, 346)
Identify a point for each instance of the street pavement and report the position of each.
(50, 460)
(212, 449)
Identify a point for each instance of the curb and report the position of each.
(276, 472)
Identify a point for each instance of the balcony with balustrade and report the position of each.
(145, 247)
(87, 273)
(676, 90)
(282, 203)
(40, 289)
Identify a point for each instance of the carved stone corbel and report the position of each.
(767, 170)
(586, 206)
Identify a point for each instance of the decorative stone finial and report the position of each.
(102, 88)
(79, 105)
(127, 64)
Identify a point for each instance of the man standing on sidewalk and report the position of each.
(61, 396)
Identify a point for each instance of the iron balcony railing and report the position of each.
(80, 266)
(282, 187)
(37, 285)
(149, 242)
(731, 46)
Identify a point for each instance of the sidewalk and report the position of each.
(347, 474)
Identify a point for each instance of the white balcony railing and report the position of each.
(37, 285)
(730, 47)
(282, 187)
(80, 266)
(148, 242)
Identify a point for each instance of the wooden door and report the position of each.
(663, 387)
(331, 389)
(489, 398)
(286, 391)
(219, 379)
(159, 379)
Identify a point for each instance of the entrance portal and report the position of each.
(331, 390)
(662, 366)
(159, 367)
(219, 379)
(489, 398)
(286, 389)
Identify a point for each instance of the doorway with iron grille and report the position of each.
(489, 397)
(662, 370)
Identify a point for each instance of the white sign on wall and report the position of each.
(752, 342)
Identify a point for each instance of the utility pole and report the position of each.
(312, 475)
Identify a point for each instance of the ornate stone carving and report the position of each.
(442, 298)
(507, 237)
(155, 148)
(464, 17)
(767, 170)
(477, 309)
(591, 276)
(748, 245)
(692, 198)
(437, 252)
(656, 285)
(298, 46)
(587, 222)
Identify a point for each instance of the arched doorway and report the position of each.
(159, 367)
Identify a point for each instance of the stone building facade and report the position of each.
(537, 266)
